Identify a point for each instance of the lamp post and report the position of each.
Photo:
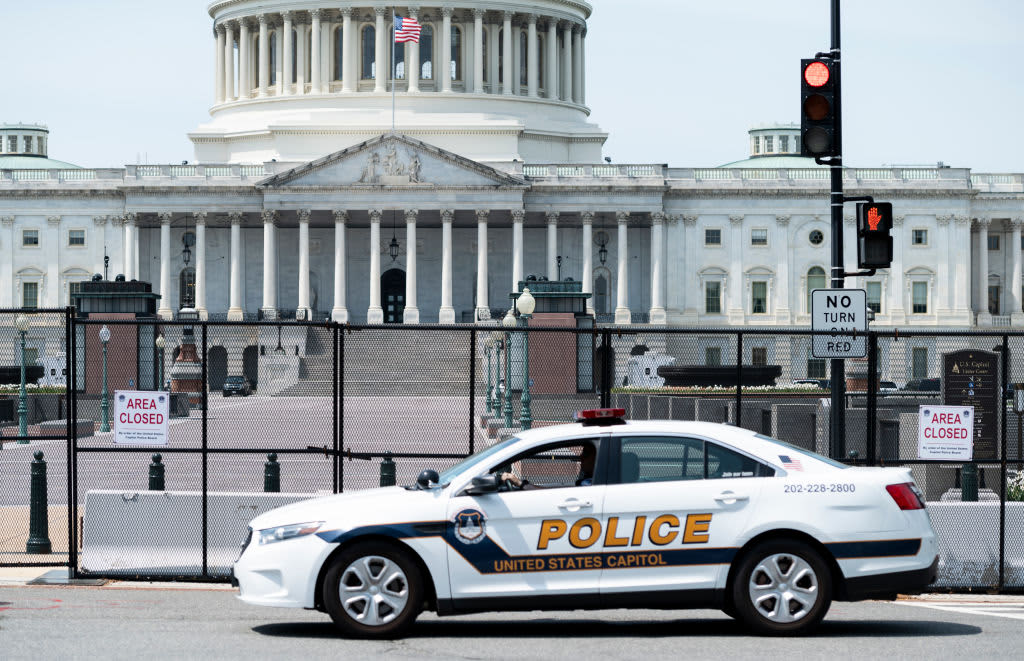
(508, 322)
(1018, 407)
(526, 304)
(160, 344)
(104, 396)
(488, 346)
(22, 323)
(498, 346)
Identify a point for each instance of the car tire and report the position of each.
(373, 590)
(782, 588)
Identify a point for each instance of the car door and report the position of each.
(674, 509)
(536, 543)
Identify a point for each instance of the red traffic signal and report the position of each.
(874, 243)
(817, 107)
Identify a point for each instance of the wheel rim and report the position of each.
(783, 588)
(373, 590)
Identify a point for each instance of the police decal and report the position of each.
(470, 526)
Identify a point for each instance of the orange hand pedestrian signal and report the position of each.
(874, 217)
(874, 243)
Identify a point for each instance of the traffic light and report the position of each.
(874, 244)
(818, 84)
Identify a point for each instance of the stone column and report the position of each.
(552, 245)
(692, 290)
(279, 65)
(962, 276)
(53, 274)
(286, 54)
(303, 310)
(229, 62)
(269, 264)
(483, 309)
(301, 72)
(567, 61)
(984, 317)
(518, 216)
(264, 76)
(506, 54)
(493, 70)
(244, 82)
(375, 313)
(943, 294)
(782, 313)
(583, 67)
(622, 311)
(447, 312)
(577, 64)
(478, 51)
(101, 241)
(350, 55)
(380, 86)
(897, 311)
(737, 308)
(339, 313)
(218, 85)
(532, 59)
(551, 80)
(235, 312)
(129, 245)
(588, 258)
(7, 288)
(658, 316)
(412, 69)
(165, 311)
(315, 43)
(446, 50)
(200, 303)
(1016, 283)
(412, 310)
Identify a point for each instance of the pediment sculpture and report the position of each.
(391, 169)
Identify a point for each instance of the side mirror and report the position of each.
(428, 477)
(484, 484)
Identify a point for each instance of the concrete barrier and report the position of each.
(968, 536)
(155, 533)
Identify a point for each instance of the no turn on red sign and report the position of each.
(945, 433)
(140, 417)
(835, 315)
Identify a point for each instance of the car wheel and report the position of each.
(373, 590)
(782, 587)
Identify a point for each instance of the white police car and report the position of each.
(662, 515)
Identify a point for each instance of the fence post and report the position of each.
(872, 412)
(738, 421)
(1002, 462)
(156, 474)
(38, 524)
(387, 471)
(472, 399)
(272, 474)
(607, 369)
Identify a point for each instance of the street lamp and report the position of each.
(526, 304)
(104, 396)
(160, 344)
(508, 322)
(22, 323)
(496, 337)
(488, 346)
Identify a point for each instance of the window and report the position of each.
(993, 242)
(486, 52)
(28, 147)
(427, 53)
(919, 363)
(815, 367)
(919, 237)
(920, 298)
(784, 144)
(759, 237)
(41, 145)
(273, 57)
(369, 64)
(12, 143)
(76, 237)
(768, 144)
(994, 292)
(712, 237)
(339, 55)
(713, 297)
(30, 237)
(757, 145)
(816, 237)
(758, 297)
(556, 465)
(456, 54)
(874, 290)
(30, 295)
(187, 288)
(712, 356)
(524, 54)
(541, 50)
(663, 459)
(815, 280)
(759, 356)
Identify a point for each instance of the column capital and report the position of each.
(658, 218)
(414, 12)
(531, 19)
(782, 221)
(552, 217)
(479, 13)
(689, 220)
(317, 14)
(304, 215)
(99, 221)
(7, 221)
(897, 221)
(117, 221)
(587, 217)
(411, 215)
(376, 215)
(508, 15)
(447, 11)
(622, 217)
(381, 12)
(340, 216)
(482, 215)
(565, 24)
(165, 217)
(269, 217)
(346, 12)
(200, 217)
(736, 220)
(962, 220)
(219, 28)
(244, 22)
(447, 215)
(849, 219)
(577, 28)
(131, 218)
(53, 221)
(943, 219)
(288, 15)
(264, 19)
(235, 217)
(1017, 222)
(518, 215)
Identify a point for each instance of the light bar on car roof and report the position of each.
(601, 416)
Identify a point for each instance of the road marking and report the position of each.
(1010, 611)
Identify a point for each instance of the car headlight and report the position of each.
(281, 533)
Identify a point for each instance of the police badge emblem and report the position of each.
(470, 526)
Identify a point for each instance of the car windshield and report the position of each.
(807, 453)
(473, 459)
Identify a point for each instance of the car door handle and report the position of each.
(728, 497)
(573, 504)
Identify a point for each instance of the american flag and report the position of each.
(407, 29)
(788, 462)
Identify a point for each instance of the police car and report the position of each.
(602, 513)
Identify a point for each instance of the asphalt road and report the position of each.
(133, 623)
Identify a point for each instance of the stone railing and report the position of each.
(136, 172)
(593, 171)
(854, 176)
(998, 183)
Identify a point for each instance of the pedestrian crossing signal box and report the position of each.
(874, 239)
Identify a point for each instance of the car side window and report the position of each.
(726, 463)
(556, 465)
(660, 459)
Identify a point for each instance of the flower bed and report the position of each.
(792, 389)
(30, 388)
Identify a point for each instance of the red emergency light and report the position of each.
(601, 416)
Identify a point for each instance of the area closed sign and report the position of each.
(835, 315)
(140, 417)
(945, 433)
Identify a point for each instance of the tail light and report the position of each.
(906, 495)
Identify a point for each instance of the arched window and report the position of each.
(186, 288)
(369, 68)
(602, 282)
(339, 54)
(456, 54)
(427, 53)
(273, 58)
(523, 59)
(815, 280)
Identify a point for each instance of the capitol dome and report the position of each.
(298, 80)
(24, 147)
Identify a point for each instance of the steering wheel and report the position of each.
(509, 484)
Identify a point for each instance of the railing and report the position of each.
(852, 175)
(1001, 321)
(593, 171)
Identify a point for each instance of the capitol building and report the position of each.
(311, 198)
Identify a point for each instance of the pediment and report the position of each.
(393, 160)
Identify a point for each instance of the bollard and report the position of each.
(38, 524)
(272, 474)
(156, 474)
(969, 483)
(387, 471)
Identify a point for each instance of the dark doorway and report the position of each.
(217, 367)
(251, 365)
(392, 295)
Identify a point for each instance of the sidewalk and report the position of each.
(58, 576)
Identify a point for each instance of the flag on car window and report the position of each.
(790, 463)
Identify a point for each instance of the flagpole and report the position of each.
(394, 66)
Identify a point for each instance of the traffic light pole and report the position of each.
(837, 419)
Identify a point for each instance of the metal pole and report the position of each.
(738, 418)
(487, 350)
(105, 397)
(837, 417)
(1002, 462)
(205, 440)
(525, 414)
(472, 391)
(508, 382)
(872, 412)
(22, 398)
(71, 388)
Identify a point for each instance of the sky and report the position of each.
(672, 81)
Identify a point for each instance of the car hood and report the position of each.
(373, 506)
